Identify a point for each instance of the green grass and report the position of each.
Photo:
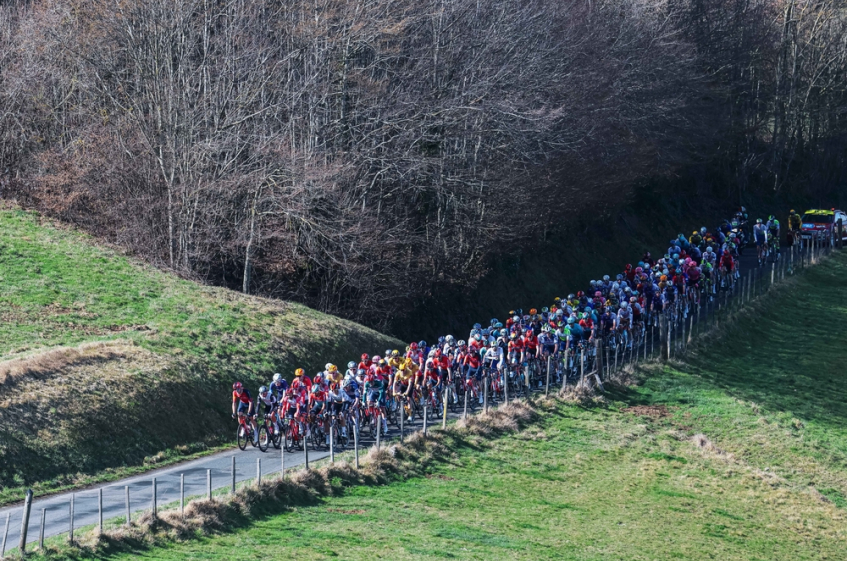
(749, 464)
(109, 364)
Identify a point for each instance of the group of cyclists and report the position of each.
(509, 356)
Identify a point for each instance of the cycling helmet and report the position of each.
(237, 386)
(545, 309)
(327, 366)
(515, 318)
(474, 332)
(413, 346)
(571, 320)
(770, 217)
(376, 358)
(422, 345)
(633, 300)
(477, 326)
(351, 365)
(492, 322)
(387, 353)
(333, 368)
(462, 343)
(300, 372)
(606, 278)
(365, 357)
(499, 325)
(382, 362)
(277, 377)
(519, 311)
(709, 249)
(263, 390)
(477, 337)
(440, 341)
(511, 313)
(598, 294)
(449, 338)
(557, 299)
(758, 221)
(533, 311)
(513, 335)
(395, 352)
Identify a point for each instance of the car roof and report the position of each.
(819, 211)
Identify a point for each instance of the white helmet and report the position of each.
(327, 366)
(277, 377)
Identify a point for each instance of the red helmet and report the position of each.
(413, 346)
(237, 386)
(580, 294)
(628, 266)
(365, 357)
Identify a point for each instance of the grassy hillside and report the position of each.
(738, 453)
(104, 361)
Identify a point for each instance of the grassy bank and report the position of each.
(738, 453)
(106, 363)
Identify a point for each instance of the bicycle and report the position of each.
(244, 433)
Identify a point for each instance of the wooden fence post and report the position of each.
(41, 530)
(128, 516)
(153, 500)
(356, 442)
(70, 524)
(5, 535)
(25, 522)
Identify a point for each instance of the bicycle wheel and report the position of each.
(288, 438)
(242, 437)
(276, 438)
(318, 436)
(264, 438)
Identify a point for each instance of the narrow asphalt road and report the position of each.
(86, 502)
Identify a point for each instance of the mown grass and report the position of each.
(109, 364)
(738, 453)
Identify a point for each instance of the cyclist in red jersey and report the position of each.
(516, 349)
(365, 363)
(242, 404)
(530, 343)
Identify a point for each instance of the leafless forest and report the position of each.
(357, 154)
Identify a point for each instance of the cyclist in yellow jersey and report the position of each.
(396, 361)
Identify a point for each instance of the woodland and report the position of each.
(359, 155)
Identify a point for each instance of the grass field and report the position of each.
(108, 364)
(738, 453)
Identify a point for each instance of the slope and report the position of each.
(105, 362)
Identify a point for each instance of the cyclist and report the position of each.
(242, 405)
(335, 398)
(760, 235)
(473, 365)
(279, 386)
(795, 223)
(374, 388)
(773, 232)
(270, 402)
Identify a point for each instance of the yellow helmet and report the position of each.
(299, 372)
(395, 352)
(333, 368)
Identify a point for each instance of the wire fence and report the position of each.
(664, 336)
